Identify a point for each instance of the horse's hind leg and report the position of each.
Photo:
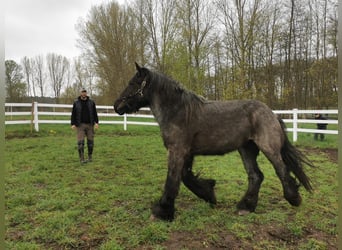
(290, 186)
(203, 188)
(249, 153)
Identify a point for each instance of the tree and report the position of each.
(266, 56)
(15, 88)
(111, 43)
(241, 20)
(84, 76)
(282, 52)
(157, 22)
(28, 73)
(39, 73)
(195, 22)
(58, 68)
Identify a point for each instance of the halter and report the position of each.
(138, 92)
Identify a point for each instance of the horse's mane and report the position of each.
(173, 90)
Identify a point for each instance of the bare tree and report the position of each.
(281, 52)
(241, 20)
(39, 73)
(26, 62)
(84, 75)
(111, 43)
(196, 23)
(58, 68)
(158, 20)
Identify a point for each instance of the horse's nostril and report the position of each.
(117, 103)
(119, 107)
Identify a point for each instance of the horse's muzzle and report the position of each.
(119, 106)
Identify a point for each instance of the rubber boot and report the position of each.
(90, 145)
(81, 152)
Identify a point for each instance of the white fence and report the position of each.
(295, 121)
(35, 110)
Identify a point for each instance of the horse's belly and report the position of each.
(215, 145)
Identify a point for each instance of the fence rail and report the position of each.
(30, 113)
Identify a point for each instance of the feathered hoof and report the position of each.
(246, 206)
(153, 218)
(212, 182)
(212, 200)
(162, 212)
(210, 196)
(243, 212)
(292, 196)
(294, 201)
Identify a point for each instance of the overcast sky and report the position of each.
(38, 27)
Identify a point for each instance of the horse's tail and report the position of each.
(294, 160)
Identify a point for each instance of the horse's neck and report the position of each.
(156, 108)
(164, 105)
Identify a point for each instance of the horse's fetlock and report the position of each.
(163, 211)
(293, 198)
(247, 204)
(212, 182)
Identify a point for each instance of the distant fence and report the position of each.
(34, 114)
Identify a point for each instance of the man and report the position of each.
(320, 126)
(84, 118)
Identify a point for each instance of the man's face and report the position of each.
(83, 94)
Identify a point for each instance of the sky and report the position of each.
(39, 27)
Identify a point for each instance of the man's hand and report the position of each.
(73, 127)
(96, 125)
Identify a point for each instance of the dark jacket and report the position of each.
(321, 125)
(76, 115)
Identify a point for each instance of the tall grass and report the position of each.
(53, 202)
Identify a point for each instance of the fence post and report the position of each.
(35, 114)
(125, 121)
(295, 125)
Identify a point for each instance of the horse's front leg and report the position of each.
(165, 208)
(203, 188)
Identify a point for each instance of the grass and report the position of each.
(52, 202)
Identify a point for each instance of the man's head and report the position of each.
(83, 94)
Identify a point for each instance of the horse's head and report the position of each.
(133, 97)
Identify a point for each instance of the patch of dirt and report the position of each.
(332, 153)
(262, 233)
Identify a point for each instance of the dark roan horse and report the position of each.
(191, 125)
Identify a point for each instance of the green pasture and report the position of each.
(53, 202)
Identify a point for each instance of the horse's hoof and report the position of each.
(156, 218)
(295, 200)
(153, 218)
(212, 205)
(243, 212)
(163, 213)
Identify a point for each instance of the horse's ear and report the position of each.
(138, 67)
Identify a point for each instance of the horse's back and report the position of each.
(238, 112)
(224, 126)
(265, 129)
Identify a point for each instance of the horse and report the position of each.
(190, 126)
